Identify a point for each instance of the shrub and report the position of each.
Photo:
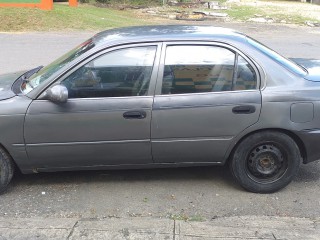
(103, 1)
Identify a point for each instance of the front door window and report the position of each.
(120, 73)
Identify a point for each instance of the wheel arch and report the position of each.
(16, 166)
(289, 133)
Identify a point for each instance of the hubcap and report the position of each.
(266, 163)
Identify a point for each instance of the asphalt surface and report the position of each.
(194, 193)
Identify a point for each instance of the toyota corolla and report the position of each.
(164, 96)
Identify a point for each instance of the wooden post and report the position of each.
(73, 3)
(46, 4)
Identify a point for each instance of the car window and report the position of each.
(45, 73)
(119, 73)
(246, 78)
(196, 69)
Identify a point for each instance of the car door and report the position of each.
(106, 120)
(206, 95)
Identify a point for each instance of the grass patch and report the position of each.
(63, 17)
(90, 17)
(243, 12)
(296, 19)
(246, 12)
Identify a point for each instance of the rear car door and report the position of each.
(106, 120)
(206, 95)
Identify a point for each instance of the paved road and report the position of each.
(194, 193)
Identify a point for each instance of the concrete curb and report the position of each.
(247, 227)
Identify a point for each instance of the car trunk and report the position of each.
(313, 67)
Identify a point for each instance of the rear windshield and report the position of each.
(291, 66)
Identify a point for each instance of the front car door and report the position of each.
(106, 120)
(206, 95)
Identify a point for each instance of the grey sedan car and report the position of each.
(164, 96)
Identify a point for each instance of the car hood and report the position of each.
(313, 67)
(6, 82)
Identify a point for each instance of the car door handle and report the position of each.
(135, 115)
(245, 109)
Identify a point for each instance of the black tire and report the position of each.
(265, 162)
(6, 170)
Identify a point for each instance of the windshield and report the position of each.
(46, 72)
(291, 66)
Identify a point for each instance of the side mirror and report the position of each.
(57, 94)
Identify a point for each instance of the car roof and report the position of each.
(166, 33)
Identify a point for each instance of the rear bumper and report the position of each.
(311, 141)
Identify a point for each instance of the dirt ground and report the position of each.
(286, 8)
(284, 12)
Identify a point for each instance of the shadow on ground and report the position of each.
(216, 173)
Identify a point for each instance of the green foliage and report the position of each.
(103, 1)
(131, 2)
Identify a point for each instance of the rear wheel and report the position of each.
(6, 170)
(265, 162)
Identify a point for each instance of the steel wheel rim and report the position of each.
(267, 162)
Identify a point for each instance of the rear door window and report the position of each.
(202, 68)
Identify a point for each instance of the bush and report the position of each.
(103, 1)
(130, 2)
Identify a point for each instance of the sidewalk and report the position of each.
(249, 227)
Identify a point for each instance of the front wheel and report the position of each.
(265, 161)
(6, 170)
